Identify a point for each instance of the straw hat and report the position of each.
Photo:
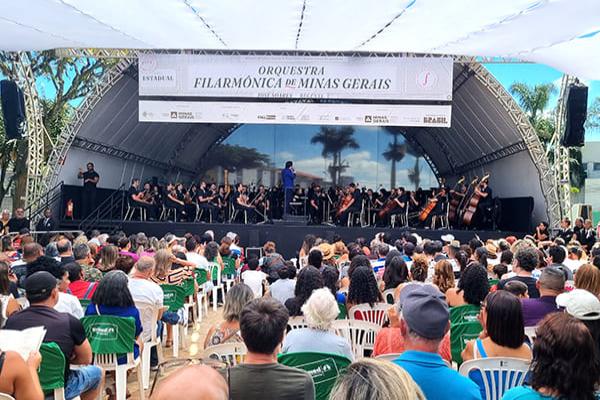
(326, 250)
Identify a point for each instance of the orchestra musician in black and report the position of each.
(205, 198)
(315, 205)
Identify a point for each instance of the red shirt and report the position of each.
(82, 290)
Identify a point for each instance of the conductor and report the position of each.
(90, 180)
(287, 178)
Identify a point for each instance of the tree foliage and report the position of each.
(335, 140)
(234, 157)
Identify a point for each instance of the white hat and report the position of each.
(448, 238)
(419, 238)
(580, 303)
(231, 235)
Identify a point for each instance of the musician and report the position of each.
(220, 201)
(287, 179)
(352, 202)
(172, 200)
(486, 202)
(441, 204)
(262, 203)
(372, 204)
(241, 202)
(136, 198)
(315, 206)
(400, 199)
(205, 198)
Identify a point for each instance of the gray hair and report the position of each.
(235, 300)
(320, 309)
(81, 251)
(145, 264)
(552, 279)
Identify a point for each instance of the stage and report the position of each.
(289, 237)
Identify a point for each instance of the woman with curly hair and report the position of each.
(565, 362)
(419, 267)
(308, 280)
(363, 288)
(472, 288)
(443, 275)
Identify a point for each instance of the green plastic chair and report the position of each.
(174, 299)
(52, 370)
(323, 367)
(201, 276)
(84, 303)
(464, 313)
(229, 273)
(493, 282)
(343, 311)
(460, 334)
(189, 287)
(111, 337)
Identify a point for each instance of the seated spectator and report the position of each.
(83, 257)
(18, 377)
(309, 279)
(114, 298)
(263, 323)
(8, 304)
(395, 273)
(369, 379)
(573, 260)
(319, 311)
(65, 251)
(194, 253)
(228, 330)
(254, 278)
(283, 288)
(588, 278)
(584, 306)
(63, 329)
(561, 340)
(443, 275)
(108, 258)
(125, 249)
(419, 268)
(31, 252)
(557, 256)
(315, 258)
(125, 263)
(517, 288)
(78, 287)
(503, 332)
(200, 381)
(423, 323)
(550, 285)
(472, 288)
(526, 260)
(363, 288)
(330, 278)
(166, 273)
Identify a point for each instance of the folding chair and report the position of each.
(324, 368)
(52, 370)
(149, 316)
(113, 337)
(496, 375)
(231, 354)
(131, 209)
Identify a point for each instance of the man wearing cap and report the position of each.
(581, 304)
(550, 285)
(424, 321)
(63, 329)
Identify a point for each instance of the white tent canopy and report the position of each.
(564, 34)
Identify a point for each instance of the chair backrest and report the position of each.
(460, 334)
(215, 272)
(388, 357)
(109, 334)
(388, 296)
(149, 317)
(173, 296)
(188, 287)
(4, 396)
(297, 323)
(324, 368)
(229, 267)
(464, 313)
(228, 353)
(201, 276)
(343, 311)
(495, 375)
(52, 368)
(360, 334)
(530, 332)
(376, 314)
(84, 303)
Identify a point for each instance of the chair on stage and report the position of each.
(236, 212)
(200, 213)
(442, 218)
(401, 219)
(167, 212)
(131, 209)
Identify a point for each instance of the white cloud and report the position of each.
(287, 155)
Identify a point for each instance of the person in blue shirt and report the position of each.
(287, 179)
(424, 323)
(112, 297)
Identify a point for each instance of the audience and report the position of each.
(283, 288)
(309, 279)
(228, 330)
(588, 278)
(472, 288)
(263, 323)
(550, 285)
(83, 256)
(526, 260)
(211, 386)
(8, 304)
(584, 306)
(254, 278)
(443, 275)
(319, 311)
(78, 287)
(108, 258)
(363, 288)
(18, 377)
(396, 272)
(517, 288)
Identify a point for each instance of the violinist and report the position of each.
(315, 206)
(172, 200)
(441, 204)
(139, 198)
(261, 202)
(220, 201)
(242, 203)
(351, 202)
(205, 198)
(484, 207)
(400, 200)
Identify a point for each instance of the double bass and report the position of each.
(428, 209)
(454, 201)
(389, 206)
(471, 204)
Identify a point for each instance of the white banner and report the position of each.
(294, 113)
(296, 77)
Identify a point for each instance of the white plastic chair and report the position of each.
(498, 374)
(388, 357)
(530, 333)
(297, 323)
(388, 296)
(376, 314)
(360, 334)
(231, 354)
(215, 272)
(149, 317)
(4, 396)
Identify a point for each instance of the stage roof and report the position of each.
(564, 34)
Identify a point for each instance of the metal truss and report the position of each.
(489, 158)
(35, 130)
(530, 139)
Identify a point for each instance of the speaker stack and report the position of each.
(13, 109)
(576, 113)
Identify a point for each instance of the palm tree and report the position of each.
(534, 100)
(334, 141)
(414, 174)
(395, 153)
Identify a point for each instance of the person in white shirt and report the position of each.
(283, 288)
(573, 261)
(194, 255)
(142, 289)
(69, 304)
(254, 278)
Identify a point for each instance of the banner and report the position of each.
(294, 113)
(296, 77)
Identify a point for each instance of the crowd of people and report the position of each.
(430, 285)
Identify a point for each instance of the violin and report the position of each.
(344, 204)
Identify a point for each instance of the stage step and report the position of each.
(292, 220)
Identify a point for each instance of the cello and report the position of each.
(471, 205)
(455, 199)
(428, 208)
(344, 204)
(389, 206)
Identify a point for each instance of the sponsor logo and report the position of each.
(427, 79)
(435, 119)
(181, 115)
(267, 117)
(377, 119)
(173, 114)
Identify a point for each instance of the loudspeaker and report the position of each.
(514, 214)
(13, 109)
(576, 113)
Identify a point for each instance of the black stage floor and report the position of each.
(289, 237)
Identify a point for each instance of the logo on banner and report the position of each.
(435, 119)
(427, 79)
(377, 119)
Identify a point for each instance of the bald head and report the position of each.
(31, 252)
(145, 265)
(200, 382)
